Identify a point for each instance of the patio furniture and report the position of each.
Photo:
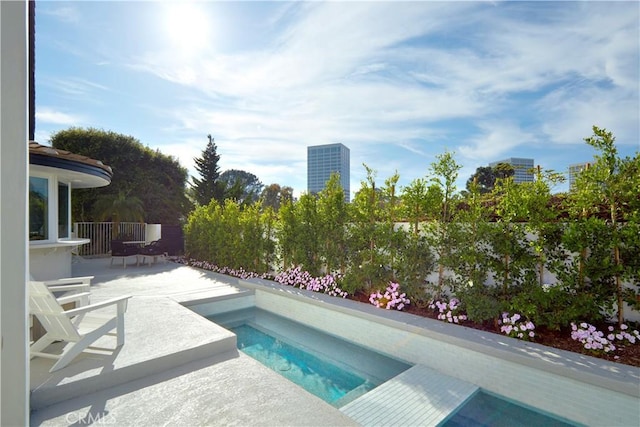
(153, 251)
(71, 292)
(79, 327)
(120, 250)
(72, 289)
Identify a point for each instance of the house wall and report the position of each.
(49, 263)
(14, 361)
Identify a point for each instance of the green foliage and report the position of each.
(333, 217)
(485, 177)
(231, 235)
(443, 173)
(608, 191)
(555, 307)
(482, 303)
(469, 257)
(274, 196)
(208, 187)
(509, 237)
(157, 180)
(118, 208)
(242, 186)
(370, 249)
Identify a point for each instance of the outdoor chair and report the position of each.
(120, 250)
(71, 289)
(78, 327)
(153, 251)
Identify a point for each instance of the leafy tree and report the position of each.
(485, 176)
(274, 195)
(286, 234)
(118, 208)
(607, 192)
(510, 255)
(208, 187)
(156, 179)
(443, 173)
(368, 263)
(242, 186)
(469, 258)
(416, 259)
(333, 216)
(307, 239)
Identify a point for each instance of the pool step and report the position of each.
(418, 396)
(353, 395)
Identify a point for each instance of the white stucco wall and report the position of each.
(50, 263)
(14, 362)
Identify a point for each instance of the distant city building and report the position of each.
(523, 168)
(322, 161)
(574, 171)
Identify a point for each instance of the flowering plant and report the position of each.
(595, 340)
(392, 298)
(448, 311)
(240, 272)
(517, 327)
(298, 278)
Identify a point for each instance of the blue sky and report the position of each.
(397, 83)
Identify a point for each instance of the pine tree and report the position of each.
(209, 186)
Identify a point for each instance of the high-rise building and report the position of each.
(322, 161)
(574, 171)
(523, 168)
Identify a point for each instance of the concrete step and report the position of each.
(160, 334)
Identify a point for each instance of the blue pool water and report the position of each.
(333, 369)
(317, 376)
(486, 410)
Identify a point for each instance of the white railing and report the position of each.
(101, 234)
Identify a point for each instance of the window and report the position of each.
(38, 208)
(63, 211)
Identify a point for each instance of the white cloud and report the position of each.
(67, 14)
(77, 87)
(52, 116)
(396, 82)
(496, 140)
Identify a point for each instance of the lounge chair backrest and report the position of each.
(46, 308)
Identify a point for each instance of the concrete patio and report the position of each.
(175, 367)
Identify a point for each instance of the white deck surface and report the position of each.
(419, 396)
(176, 368)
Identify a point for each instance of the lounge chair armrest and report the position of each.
(74, 297)
(69, 281)
(121, 301)
(67, 288)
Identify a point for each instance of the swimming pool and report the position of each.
(487, 410)
(551, 381)
(333, 369)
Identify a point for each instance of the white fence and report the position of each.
(101, 234)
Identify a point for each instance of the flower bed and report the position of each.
(617, 344)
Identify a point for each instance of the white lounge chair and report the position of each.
(79, 327)
(78, 287)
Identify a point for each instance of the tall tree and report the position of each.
(274, 196)
(156, 179)
(444, 173)
(485, 177)
(208, 187)
(241, 186)
(118, 208)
